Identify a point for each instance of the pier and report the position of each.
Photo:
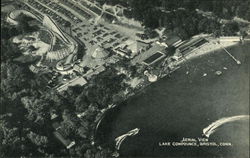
(237, 61)
(121, 138)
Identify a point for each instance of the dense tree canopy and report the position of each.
(102, 89)
(181, 16)
(223, 8)
(25, 121)
(26, 127)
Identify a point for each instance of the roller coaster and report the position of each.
(64, 56)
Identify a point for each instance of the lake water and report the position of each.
(184, 104)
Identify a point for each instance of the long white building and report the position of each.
(230, 38)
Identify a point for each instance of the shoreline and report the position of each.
(196, 53)
(208, 48)
(212, 49)
(113, 115)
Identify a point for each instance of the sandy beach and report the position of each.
(187, 102)
(210, 47)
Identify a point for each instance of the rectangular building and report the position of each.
(66, 142)
(76, 81)
(230, 39)
(154, 58)
(191, 45)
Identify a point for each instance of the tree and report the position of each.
(23, 24)
(81, 103)
(243, 9)
(38, 110)
(190, 25)
(11, 141)
(91, 112)
(182, 33)
(88, 154)
(150, 18)
(68, 129)
(213, 26)
(12, 77)
(202, 25)
(230, 28)
(243, 33)
(83, 132)
(37, 139)
(101, 154)
(102, 87)
(150, 33)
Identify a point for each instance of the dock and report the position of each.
(237, 61)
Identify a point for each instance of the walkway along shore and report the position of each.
(177, 64)
(209, 48)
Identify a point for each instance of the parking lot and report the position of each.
(83, 24)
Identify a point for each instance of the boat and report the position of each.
(238, 62)
(218, 73)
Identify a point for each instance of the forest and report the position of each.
(26, 107)
(25, 116)
(181, 17)
(223, 8)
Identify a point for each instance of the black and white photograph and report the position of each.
(125, 78)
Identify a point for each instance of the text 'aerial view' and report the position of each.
(125, 78)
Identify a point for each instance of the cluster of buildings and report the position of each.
(81, 13)
(170, 41)
(103, 44)
(93, 7)
(74, 22)
(91, 35)
(39, 9)
(61, 136)
(189, 46)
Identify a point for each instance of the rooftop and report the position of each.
(154, 58)
(99, 53)
(171, 40)
(144, 55)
